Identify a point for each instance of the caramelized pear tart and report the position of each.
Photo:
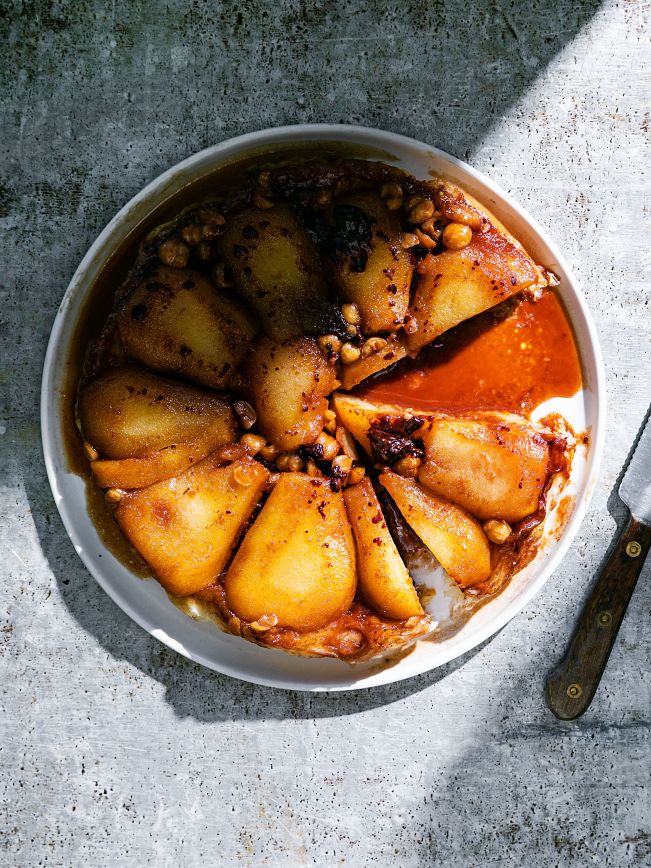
(215, 408)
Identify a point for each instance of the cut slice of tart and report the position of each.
(187, 527)
(384, 580)
(493, 464)
(458, 284)
(452, 535)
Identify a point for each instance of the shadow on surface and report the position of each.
(485, 55)
(192, 690)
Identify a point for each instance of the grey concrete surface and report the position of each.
(113, 749)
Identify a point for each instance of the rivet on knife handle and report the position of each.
(572, 685)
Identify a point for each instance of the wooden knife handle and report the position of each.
(572, 685)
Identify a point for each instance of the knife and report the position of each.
(572, 685)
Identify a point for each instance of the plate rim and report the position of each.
(239, 146)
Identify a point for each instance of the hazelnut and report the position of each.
(407, 466)
(289, 461)
(191, 234)
(497, 531)
(372, 345)
(174, 253)
(253, 443)
(422, 211)
(456, 236)
(351, 314)
(349, 354)
(425, 240)
(313, 469)
(295, 463)
(235, 625)
(269, 452)
(264, 622)
(391, 190)
(409, 240)
(345, 441)
(356, 475)
(413, 202)
(330, 420)
(90, 452)
(264, 180)
(329, 344)
(341, 466)
(282, 461)
(329, 445)
(431, 229)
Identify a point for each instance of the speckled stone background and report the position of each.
(113, 749)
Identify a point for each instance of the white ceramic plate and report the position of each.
(145, 601)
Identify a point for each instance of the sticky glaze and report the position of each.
(514, 363)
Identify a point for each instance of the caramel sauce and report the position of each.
(514, 363)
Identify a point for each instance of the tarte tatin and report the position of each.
(317, 378)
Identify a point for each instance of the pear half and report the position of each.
(383, 578)
(289, 385)
(369, 265)
(277, 270)
(186, 527)
(297, 562)
(177, 322)
(455, 539)
(147, 428)
(495, 466)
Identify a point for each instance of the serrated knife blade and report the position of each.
(635, 487)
